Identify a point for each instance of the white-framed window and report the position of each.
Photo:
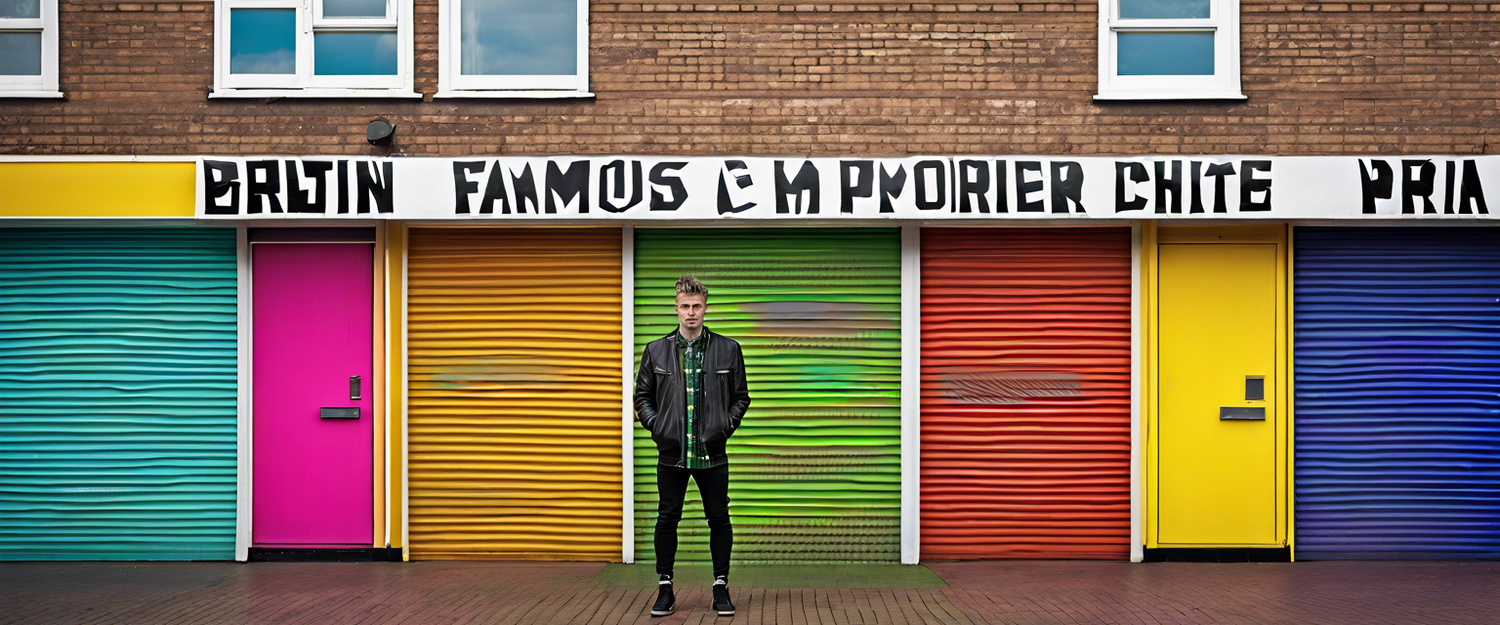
(513, 48)
(313, 48)
(28, 49)
(1169, 50)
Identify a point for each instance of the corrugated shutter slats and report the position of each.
(815, 468)
(118, 378)
(1397, 336)
(514, 376)
(1025, 393)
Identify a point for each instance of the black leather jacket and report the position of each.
(659, 396)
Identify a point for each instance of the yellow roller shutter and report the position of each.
(514, 382)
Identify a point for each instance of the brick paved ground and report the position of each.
(474, 593)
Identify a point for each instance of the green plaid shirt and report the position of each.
(690, 358)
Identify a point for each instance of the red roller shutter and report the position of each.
(1025, 393)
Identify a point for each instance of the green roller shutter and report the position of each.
(118, 374)
(815, 471)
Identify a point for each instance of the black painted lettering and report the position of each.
(494, 191)
(931, 173)
(300, 200)
(1449, 173)
(263, 184)
(856, 179)
(1417, 182)
(1134, 173)
(802, 186)
(221, 178)
(1376, 182)
(740, 172)
(1195, 192)
(342, 167)
(1471, 192)
(1220, 171)
(565, 186)
(1026, 185)
(614, 184)
(973, 186)
(462, 185)
(891, 185)
(378, 184)
(1250, 185)
(1168, 184)
(665, 175)
(523, 187)
(1067, 187)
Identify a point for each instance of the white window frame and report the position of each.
(1224, 84)
(304, 84)
(45, 84)
(453, 84)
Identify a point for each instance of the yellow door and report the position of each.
(1217, 471)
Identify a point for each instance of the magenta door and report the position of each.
(312, 333)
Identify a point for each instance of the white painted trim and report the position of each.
(304, 83)
(512, 94)
(220, 93)
(405, 404)
(1137, 548)
(453, 84)
(242, 391)
(31, 94)
(45, 83)
(385, 372)
(1223, 84)
(911, 392)
(1167, 94)
(627, 392)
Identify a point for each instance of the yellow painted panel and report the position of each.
(97, 189)
(395, 264)
(1217, 480)
(514, 393)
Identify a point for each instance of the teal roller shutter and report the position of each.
(815, 471)
(118, 369)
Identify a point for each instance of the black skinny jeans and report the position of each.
(713, 486)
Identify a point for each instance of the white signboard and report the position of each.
(938, 187)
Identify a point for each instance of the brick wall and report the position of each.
(875, 78)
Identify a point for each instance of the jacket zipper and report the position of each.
(683, 442)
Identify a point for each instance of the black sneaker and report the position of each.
(721, 599)
(666, 602)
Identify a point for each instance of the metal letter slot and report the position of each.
(353, 388)
(338, 413)
(1229, 413)
(1255, 388)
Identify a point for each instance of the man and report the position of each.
(691, 394)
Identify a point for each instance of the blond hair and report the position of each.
(689, 285)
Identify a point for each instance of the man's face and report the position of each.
(690, 310)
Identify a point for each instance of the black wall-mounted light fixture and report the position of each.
(379, 132)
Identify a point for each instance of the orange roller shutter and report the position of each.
(514, 385)
(1025, 393)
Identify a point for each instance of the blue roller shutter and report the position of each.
(1397, 336)
(118, 368)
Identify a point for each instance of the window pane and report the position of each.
(1166, 54)
(354, 54)
(20, 54)
(353, 8)
(519, 37)
(21, 8)
(263, 41)
(1164, 9)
